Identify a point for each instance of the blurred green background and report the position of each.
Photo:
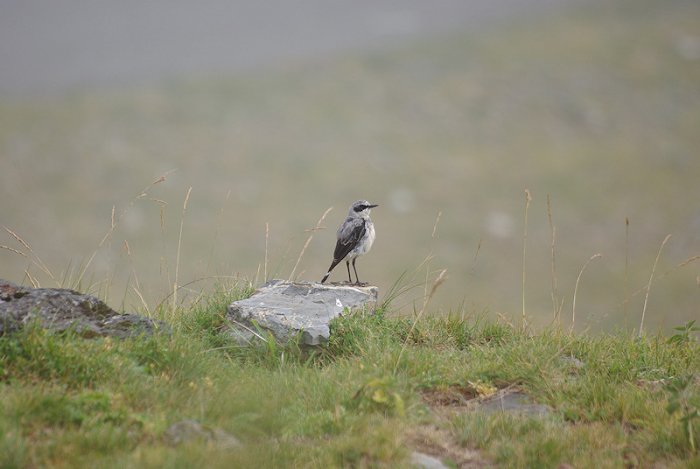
(594, 103)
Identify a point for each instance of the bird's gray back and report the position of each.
(346, 229)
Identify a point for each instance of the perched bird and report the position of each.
(355, 237)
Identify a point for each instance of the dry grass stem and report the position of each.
(439, 280)
(18, 238)
(143, 301)
(425, 263)
(179, 244)
(475, 259)
(192, 282)
(405, 283)
(114, 222)
(35, 259)
(131, 261)
(249, 329)
(219, 220)
(162, 207)
(137, 287)
(32, 280)
(578, 279)
(651, 277)
(308, 240)
(442, 276)
(685, 263)
(267, 243)
(625, 312)
(437, 220)
(528, 199)
(556, 305)
(430, 255)
(8, 248)
(257, 274)
(476, 254)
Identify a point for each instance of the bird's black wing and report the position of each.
(348, 237)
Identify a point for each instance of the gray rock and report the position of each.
(60, 309)
(186, 431)
(515, 402)
(573, 363)
(425, 461)
(287, 309)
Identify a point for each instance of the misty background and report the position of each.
(262, 115)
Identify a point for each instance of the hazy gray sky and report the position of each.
(49, 46)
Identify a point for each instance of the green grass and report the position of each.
(72, 402)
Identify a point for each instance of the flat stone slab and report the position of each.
(60, 309)
(515, 402)
(287, 309)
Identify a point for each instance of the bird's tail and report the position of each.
(325, 277)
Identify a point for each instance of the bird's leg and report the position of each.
(355, 269)
(347, 263)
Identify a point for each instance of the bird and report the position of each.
(355, 237)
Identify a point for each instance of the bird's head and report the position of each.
(361, 208)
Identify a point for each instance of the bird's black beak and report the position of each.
(372, 206)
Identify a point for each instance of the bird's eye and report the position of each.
(360, 208)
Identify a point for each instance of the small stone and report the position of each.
(574, 363)
(186, 431)
(425, 461)
(515, 402)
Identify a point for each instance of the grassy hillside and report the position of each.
(382, 388)
(597, 106)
